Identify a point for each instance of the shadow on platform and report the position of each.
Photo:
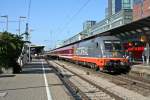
(5, 76)
(32, 87)
(36, 69)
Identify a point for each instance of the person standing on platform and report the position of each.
(144, 55)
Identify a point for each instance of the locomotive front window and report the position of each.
(112, 45)
(117, 45)
(108, 45)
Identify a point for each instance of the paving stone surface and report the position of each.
(30, 84)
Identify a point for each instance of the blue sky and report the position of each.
(50, 19)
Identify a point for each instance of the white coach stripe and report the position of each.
(49, 97)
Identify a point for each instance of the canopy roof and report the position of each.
(140, 26)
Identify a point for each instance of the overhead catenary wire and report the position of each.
(29, 11)
(74, 15)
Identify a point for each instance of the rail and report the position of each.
(97, 86)
(74, 90)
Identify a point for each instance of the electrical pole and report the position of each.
(28, 40)
(27, 32)
(21, 17)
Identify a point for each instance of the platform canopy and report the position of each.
(36, 46)
(139, 27)
(35, 49)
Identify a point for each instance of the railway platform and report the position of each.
(36, 82)
(141, 70)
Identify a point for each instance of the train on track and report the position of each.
(102, 52)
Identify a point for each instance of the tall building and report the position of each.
(115, 6)
(106, 13)
(88, 24)
(109, 7)
(121, 18)
(141, 9)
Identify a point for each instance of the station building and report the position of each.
(119, 12)
(75, 38)
(36, 49)
(141, 9)
(139, 38)
(121, 18)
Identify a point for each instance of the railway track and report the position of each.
(129, 83)
(135, 84)
(76, 93)
(84, 88)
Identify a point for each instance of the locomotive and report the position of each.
(102, 52)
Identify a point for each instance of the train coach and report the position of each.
(102, 52)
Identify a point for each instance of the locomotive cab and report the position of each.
(112, 49)
(114, 57)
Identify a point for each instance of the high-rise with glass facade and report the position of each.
(114, 6)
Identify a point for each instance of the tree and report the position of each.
(10, 49)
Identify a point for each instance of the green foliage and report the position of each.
(10, 49)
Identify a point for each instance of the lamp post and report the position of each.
(21, 17)
(30, 45)
(6, 16)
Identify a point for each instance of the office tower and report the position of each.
(114, 6)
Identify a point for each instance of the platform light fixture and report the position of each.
(122, 34)
(127, 33)
(117, 35)
(6, 16)
(133, 32)
(146, 28)
(139, 30)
